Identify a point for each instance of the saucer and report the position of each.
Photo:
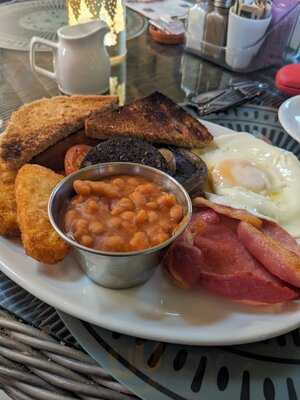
(289, 117)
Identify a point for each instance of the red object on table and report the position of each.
(288, 79)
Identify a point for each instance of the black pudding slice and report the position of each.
(126, 150)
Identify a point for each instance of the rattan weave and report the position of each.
(35, 365)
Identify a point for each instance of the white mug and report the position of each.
(81, 63)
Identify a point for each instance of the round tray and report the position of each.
(20, 21)
(266, 370)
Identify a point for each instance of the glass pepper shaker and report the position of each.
(215, 29)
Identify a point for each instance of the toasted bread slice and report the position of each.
(155, 118)
(42, 123)
(34, 185)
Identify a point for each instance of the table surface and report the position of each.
(149, 66)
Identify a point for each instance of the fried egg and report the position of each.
(248, 173)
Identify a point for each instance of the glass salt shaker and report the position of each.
(195, 24)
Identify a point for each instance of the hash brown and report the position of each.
(34, 185)
(8, 208)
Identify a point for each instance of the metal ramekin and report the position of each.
(111, 269)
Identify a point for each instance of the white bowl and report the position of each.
(289, 117)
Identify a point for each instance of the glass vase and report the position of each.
(113, 12)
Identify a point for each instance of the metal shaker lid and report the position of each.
(223, 3)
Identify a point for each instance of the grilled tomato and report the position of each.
(74, 157)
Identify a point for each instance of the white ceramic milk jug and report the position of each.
(81, 63)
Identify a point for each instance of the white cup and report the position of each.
(244, 39)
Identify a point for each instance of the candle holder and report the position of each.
(113, 12)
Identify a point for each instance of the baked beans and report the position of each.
(122, 214)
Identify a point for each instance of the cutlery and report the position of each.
(222, 99)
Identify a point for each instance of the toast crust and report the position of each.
(155, 118)
(41, 124)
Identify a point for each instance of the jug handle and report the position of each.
(53, 45)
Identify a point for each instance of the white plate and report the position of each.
(157, 310)
(289, 117)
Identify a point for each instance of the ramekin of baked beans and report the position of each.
(122, 213)
(119, 217)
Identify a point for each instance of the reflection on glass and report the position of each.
(117, 82)
(113, 12)
(199, 76)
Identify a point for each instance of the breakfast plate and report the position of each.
(157, 310)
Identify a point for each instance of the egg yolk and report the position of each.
(240, 173)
